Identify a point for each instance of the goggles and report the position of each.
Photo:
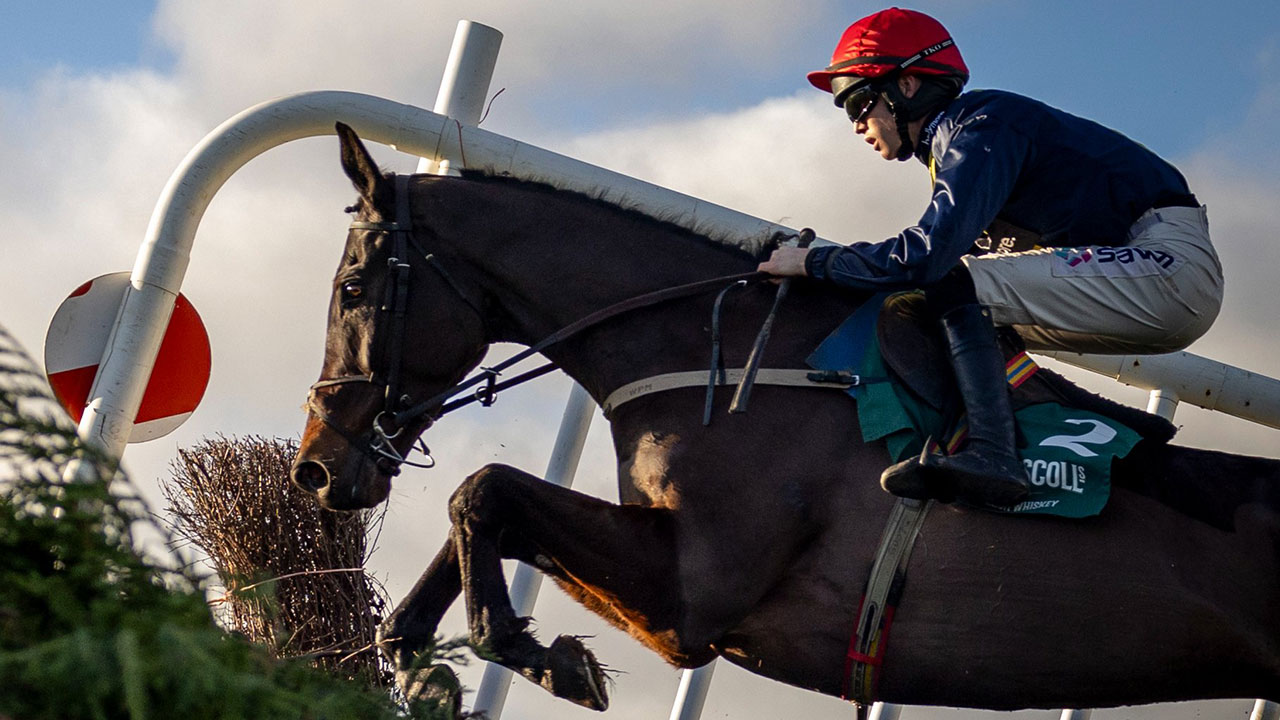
(859, 103)
(857, 95)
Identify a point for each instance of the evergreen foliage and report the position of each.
(89, 628)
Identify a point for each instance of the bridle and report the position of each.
(398, 410)
(395, 306)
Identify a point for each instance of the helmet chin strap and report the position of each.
(898, 107)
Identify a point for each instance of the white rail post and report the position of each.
(524, 585)
(463, 91)
(1265, 710)
(1162, 402)
(692, 693)
(465, 84)
(461, 97)
(884, 711)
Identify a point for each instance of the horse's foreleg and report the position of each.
(411, 627)
(623, 557)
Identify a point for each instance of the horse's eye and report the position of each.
(352, 291)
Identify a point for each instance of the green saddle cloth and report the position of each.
(1067, 451)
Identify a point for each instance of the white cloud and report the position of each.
(563, 63)
(84, 162)
(792, 160)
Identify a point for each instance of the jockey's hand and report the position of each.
(786, 261)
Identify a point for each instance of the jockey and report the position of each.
(1075, 236)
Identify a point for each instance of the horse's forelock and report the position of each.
(382, 207)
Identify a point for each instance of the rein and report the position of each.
(391, 421)
(636, 303)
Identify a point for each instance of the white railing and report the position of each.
(1192, 379)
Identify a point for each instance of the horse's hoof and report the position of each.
(572, 673)
(434, 689)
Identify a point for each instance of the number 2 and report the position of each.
(1101, 434)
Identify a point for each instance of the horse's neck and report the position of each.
(625, 346)
(577, 259)
(543, 298)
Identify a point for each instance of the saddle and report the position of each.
(914, 352)
(1206, 485)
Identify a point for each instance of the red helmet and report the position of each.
(893, 41)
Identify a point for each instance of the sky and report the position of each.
(99, 102)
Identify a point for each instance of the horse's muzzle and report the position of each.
(366, 486)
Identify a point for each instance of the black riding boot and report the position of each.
(987, 471)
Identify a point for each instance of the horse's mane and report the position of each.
(755, 247)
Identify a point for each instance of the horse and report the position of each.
(749, 538)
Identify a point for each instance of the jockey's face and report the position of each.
(879, 128)
(880, 131)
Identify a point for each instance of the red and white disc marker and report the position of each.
(78, 335)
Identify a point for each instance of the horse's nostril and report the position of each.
(311, 476)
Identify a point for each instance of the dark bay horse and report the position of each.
(751, 538)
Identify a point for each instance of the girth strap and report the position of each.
(793, 377)
(884, 590)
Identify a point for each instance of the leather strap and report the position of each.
(793, 377)
(643, 301)
(884, 589)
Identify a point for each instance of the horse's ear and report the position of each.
(360, 167)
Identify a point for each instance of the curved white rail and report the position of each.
(166, 250)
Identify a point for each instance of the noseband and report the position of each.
(398, 412)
